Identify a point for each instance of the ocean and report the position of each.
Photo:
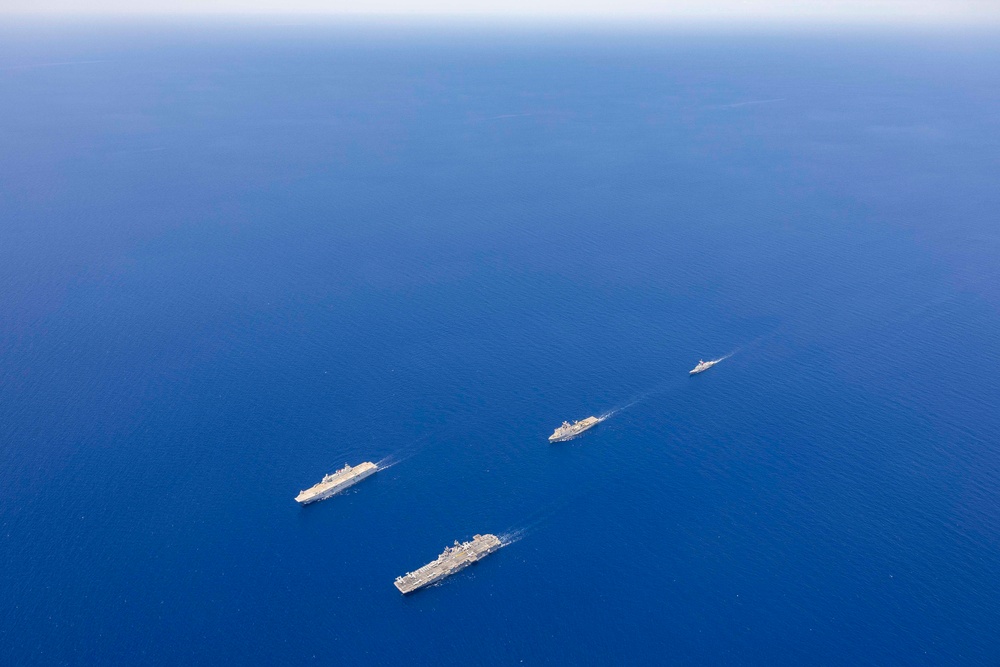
(235, 256)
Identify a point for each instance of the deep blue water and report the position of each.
(234, 257)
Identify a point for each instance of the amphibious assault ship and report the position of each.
(703, 366)
(452, 560)
(337, 482)
(567, 430)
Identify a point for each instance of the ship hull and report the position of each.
(572, 434)
(448, 564)
(336, 488)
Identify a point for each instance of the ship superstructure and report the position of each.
(567, 430)
(453, 559)
(336, 482)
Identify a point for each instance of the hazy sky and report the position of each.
(920, 11)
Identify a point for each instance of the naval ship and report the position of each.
(567, 430)
(337, 482)
(703, 366)
(452, 560)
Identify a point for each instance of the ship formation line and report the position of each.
(460, 555)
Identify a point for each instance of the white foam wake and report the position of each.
(402, 454)
(511, 536)
(387, 462)
(635, 400)
(537, 518)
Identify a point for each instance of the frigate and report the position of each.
(453, 559)
(703, 366)
(336, 482)
(567, 430)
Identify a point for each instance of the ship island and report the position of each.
(567, 430)
(336, 482)
(451, 560)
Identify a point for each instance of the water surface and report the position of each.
(234, 258)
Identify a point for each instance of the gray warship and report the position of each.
(336, 482)
(567, 430)
(453, 559)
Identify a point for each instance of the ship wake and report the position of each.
(512, 536)
(388, 462)
(404, 453)
(537, 518)
(729, 355)
(635, 400)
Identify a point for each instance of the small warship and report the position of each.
(703, 366)
(567, 430)
(453, 559)
(336, 482)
